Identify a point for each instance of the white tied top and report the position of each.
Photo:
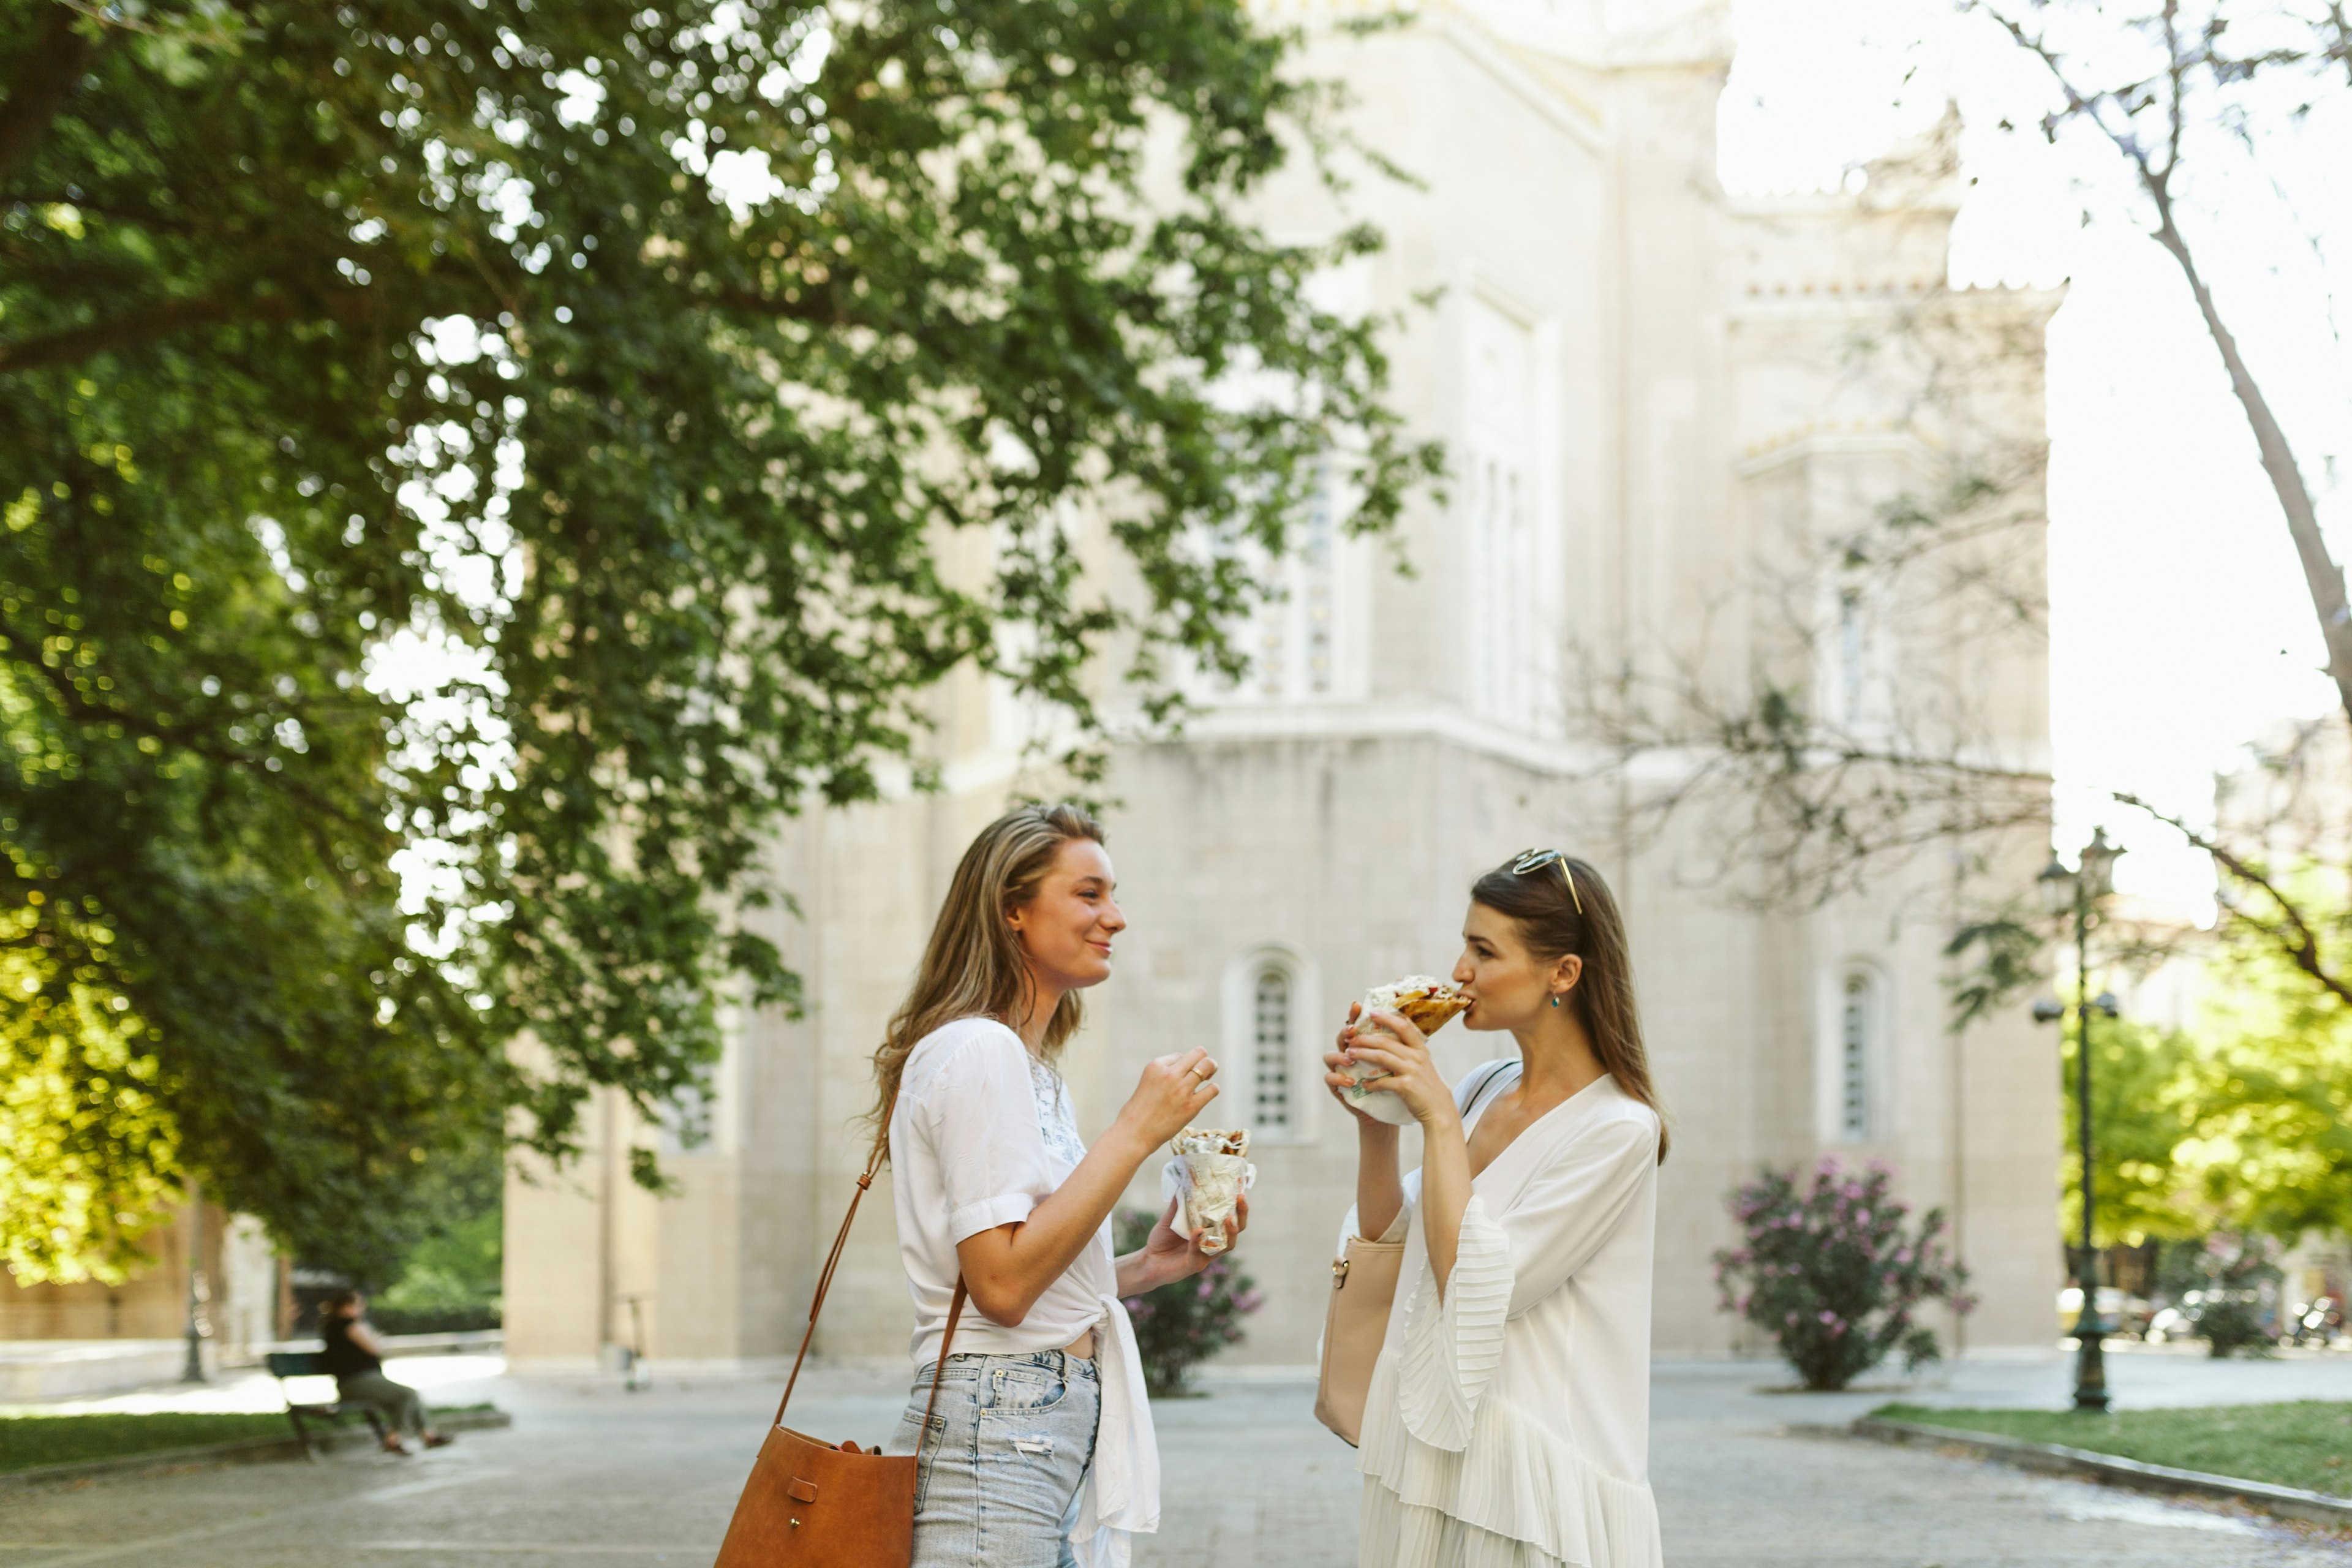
(1518, 1407)
(984, 1132)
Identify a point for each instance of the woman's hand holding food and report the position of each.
(1389, 1042)
(1170, 1255)
(1168, 1098)
(1337, 1079)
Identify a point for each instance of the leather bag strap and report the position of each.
(1479, 1093)
(955, 1312)
(832, 1261)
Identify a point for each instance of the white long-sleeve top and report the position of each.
(1509, 1421)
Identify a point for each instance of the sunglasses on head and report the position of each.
(1536, 859)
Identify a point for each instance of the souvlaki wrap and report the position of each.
(1207, 1177)
(1428, 1004)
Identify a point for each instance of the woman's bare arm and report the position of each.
(1391, 1043)
(1008, 1267)
(1380, 1188)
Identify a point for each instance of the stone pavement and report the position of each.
(592, 1474)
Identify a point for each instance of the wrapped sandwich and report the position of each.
(1207, 1178)
(1428, 1004)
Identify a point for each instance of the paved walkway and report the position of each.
(591, 1474)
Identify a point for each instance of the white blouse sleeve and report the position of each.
(981, 1112)
(1505, 1264)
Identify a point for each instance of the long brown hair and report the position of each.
(1555, 921)
(974, 967)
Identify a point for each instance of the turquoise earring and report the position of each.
(1555, 1000)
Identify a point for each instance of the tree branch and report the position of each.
(2293, 934)
(2322, 577)
(139, 326)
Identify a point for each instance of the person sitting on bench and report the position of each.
(355, 1356)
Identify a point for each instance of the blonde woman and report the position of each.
(1042, 1451)
(1507, 1422)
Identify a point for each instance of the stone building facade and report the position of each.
(1645, 387)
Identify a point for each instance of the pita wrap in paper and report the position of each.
(1207, 1178)
(1428, 1004)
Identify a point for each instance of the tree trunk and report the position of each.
(2320, 573)
(46, 75)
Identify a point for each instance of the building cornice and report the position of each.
(1392, 721)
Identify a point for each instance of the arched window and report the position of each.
(1263, 1080)
(1270, 1021)
(1858, 1045)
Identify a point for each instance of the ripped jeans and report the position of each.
(1008, 1450)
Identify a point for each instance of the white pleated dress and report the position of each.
(1509, 1424)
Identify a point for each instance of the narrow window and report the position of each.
(1270, 1034)
(1851, 654)
(1853, 1057)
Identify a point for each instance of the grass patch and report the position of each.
(28, 1442)
(2307, 1443)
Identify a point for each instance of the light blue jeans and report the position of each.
(1009, 1447)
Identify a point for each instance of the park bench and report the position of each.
(286, 1364)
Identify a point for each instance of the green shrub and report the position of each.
(460, 1320)
(2227, 1284)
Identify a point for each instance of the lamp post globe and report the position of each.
(2098, 861)
(2058, 888)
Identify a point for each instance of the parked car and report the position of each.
(2125, 1315)
(2319, 1321)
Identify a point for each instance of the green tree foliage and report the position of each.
(2148, 1095)
(2270, 1152)
(469, 466)
(451, 1277)
(2236, 1125)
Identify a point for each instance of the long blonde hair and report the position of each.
(973, 965)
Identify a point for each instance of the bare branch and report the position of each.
(2291, 933)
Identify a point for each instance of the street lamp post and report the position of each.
(193, 1370)
(2078, 892)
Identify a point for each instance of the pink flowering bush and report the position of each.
(1178, 1326)
(1828, 1268)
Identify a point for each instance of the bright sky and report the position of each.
(2180, 626)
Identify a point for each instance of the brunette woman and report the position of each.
(1507, 1422)
(1042, 1450)
(354, 1356)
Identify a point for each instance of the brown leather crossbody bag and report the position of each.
(810, 1502)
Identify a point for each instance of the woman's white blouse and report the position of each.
(983, 1133)
(1508, 1423)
